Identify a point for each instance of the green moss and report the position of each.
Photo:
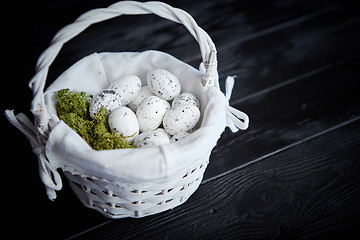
(73, 108)
(72, 102)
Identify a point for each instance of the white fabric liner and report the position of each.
(66, 149)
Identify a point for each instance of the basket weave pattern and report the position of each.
(115, 201)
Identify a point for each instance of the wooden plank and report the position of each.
(287, 53)
(288, 114)
(311, 190)
(132, 33)
(335, 41)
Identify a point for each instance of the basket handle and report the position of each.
(37, 83)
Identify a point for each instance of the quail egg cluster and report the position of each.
(155, 114)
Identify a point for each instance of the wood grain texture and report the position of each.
(292, 175)
(303, 184)
(288, 114)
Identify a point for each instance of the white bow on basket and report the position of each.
(235, 119)
(48, 174)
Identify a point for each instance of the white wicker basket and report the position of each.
(118, 199)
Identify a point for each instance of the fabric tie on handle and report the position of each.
(210, 72)
(48, 174)
(235, 119)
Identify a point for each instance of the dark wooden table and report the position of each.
(294, 174)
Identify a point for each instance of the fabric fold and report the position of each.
(133, 165)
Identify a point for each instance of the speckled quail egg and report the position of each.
(150, 113)
(182, 118)
(185, 98)
(163, 84)
(163, 130)
(145, 91)
(179, 136)
(151, 138)
(108, 99)
(123, 121)
(128, 87)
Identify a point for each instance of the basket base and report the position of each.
(114, 201)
